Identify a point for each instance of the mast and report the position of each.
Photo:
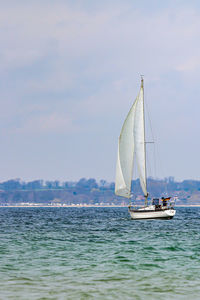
(142, 87)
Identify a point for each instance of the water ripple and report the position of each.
(98, 253)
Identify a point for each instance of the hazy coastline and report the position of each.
(85, 206)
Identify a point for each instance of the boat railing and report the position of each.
(169, 203)
(157, 203)
(172, 202)
(163, 203)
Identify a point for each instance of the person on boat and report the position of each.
(164, 200)
(155, 202)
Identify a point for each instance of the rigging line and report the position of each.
(156, 153)
(152, 133)
(161, 168)
(149, 165)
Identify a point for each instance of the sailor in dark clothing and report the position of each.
(164, 200)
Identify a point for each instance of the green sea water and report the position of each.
(98, 253)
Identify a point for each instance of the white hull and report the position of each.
(145, 214)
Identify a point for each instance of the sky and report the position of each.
(70, 71)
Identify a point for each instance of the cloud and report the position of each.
(190, 65)
(74, 67)
(82, 47)
(54, 123)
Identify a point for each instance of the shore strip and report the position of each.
(84, 206)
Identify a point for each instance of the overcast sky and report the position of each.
(69, 72)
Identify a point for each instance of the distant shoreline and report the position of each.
(81, 206)
(59, 206)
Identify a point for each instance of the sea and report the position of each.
(98, 253)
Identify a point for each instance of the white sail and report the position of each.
(139, 138)
(132, 139)
(125, 157)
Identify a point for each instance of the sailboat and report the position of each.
(131, 149)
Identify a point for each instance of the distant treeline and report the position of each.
(18, 184)
(89, 191)
(155, 185)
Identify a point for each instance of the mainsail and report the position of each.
(132, 141)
